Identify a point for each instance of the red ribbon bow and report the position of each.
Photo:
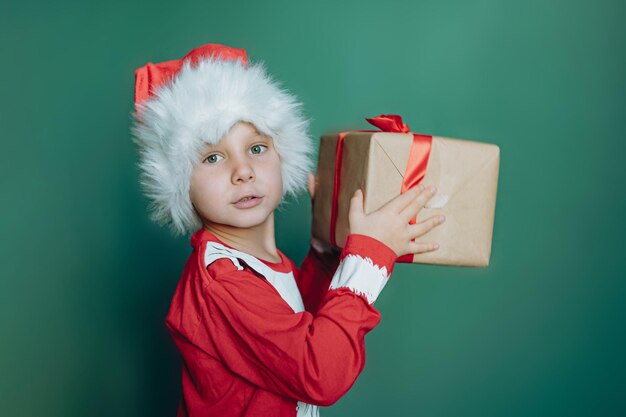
(414, 171)
(389, 123)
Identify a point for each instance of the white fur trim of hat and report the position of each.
(201, 97)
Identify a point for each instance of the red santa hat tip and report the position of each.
(181, 105)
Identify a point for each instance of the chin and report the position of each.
(248, 218)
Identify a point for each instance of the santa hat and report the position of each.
(181, 105)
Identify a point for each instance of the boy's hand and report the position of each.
(312, 183)
(390, 223)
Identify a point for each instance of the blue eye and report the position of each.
(258, 146)
(211, 158)
(256, 150)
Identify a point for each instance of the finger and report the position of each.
(418, 203)
(356, 204)
(421, 247)
(311, 184)
(421, 228)
(400, 202)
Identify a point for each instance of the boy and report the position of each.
(220, 146)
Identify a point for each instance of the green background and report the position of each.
(86, 279)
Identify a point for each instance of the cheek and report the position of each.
(201, 190)
(273, 171)
(276, 163)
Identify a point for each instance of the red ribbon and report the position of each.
(414, 172)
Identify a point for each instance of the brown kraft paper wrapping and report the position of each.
(465, 173)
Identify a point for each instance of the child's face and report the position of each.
(243, 163)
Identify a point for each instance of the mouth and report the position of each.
(248, 201)
(247, 198)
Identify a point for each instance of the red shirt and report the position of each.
(269, 339)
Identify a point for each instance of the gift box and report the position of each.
(385, 163)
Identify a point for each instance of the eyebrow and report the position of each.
(257, 136)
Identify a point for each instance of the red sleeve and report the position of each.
(306, 357)
(316, 272)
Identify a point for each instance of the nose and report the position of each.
(242, 170)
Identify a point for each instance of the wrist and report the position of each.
(370, 247)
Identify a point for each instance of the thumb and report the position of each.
(356, 203)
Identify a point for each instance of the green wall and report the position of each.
(86, 279)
